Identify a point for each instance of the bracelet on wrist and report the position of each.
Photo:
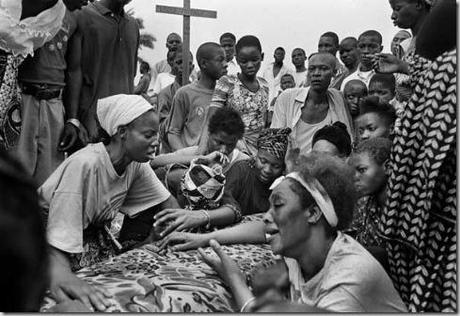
(208, 219)
(75, 122)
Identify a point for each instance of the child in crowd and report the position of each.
(191, 102)
(163, 79)
(333, 139)
(286, 82)
(369, 161)
(165, 98)
(375, 119)
(245, 92)
(354, 91)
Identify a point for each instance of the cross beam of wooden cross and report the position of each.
(186, 13)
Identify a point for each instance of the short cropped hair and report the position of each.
(280, 48)
(248, 41)
(385, 111)
(336, 177)
(288, 75)
(145, 66)
(227, 35)
(372, 33)
(378, 149)
(387, 80)
(332, 35)
(226, 120)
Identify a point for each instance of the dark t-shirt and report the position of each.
(108, 57)
(244, 190)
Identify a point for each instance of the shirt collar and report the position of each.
(105, 11)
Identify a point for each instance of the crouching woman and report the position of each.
(87, 190)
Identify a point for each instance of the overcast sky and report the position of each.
(286, 23)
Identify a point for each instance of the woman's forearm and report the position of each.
(251, 232)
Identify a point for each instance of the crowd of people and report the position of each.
(345, 166)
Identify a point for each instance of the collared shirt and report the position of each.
(48, 65)
(288, 112)
(232, 67)
(108, 57)
(274, 83)
(364, 76)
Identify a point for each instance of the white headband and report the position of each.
(314, 187)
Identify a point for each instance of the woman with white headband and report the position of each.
(326, 268)
(87, 190)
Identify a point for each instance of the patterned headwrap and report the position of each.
(203, 185)
(275, 141)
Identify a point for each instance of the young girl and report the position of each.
(245, 92)
(375, 119)
(368, 160)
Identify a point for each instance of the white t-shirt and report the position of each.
(351, 280)
(304, 132)
(300, 78)
(163, 80)
(85, 189)
(232, 67)
(364, 76)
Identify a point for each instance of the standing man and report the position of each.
(329, 43)
(298, 58)
(103, 59)
(349, 55)
(45, 134)
(173, 42)
(274, 72)
(369, 44)
(227, 41)
(306, 110)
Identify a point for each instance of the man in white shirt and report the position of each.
(274, 72)
(306, 110)
(227, 41)
(369, 44)
(298, 58)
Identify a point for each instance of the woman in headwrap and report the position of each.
(84, 194)
(246, 190)
(324, 267)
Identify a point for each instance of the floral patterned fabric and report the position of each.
(10, 100)
(230, 91)
(366, 220)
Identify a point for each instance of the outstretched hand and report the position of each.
(387, 63)
(180, 241)
(225, 266)
(175, 219)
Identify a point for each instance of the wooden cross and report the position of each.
(186, 12)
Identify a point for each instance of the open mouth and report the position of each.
(270, 233)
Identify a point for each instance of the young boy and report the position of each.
(354, 92)
(368, 160)
(165, 98)
(383, 86)
(191, 102)
(369, 44)
(287, 82)
(375, 119)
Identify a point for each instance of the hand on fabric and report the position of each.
(72, 306)
(387, 63)
(180, 241)
(68, 137)
(225, 266)
(67, 286)
(354, 109)
(178, 220)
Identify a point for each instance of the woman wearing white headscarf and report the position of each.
(87, 190)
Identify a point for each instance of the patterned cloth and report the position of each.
(419, 220)
(10, 100)
(203, 185)
(366, 220)
(274, 141)
(144, 280)
(231, 92)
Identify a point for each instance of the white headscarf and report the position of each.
(120, 109)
